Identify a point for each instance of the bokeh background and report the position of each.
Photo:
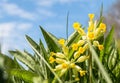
(20, 17)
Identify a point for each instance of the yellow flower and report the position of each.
(51, 59)
(102, 27)
(65, 65)
(100, 47)
(82, 72)
(81, 50)
(76, 25)
(91, 16)
(75, 46)
(91, 35)
(82, 59)
(61, 42)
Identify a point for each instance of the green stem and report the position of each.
(90, 68)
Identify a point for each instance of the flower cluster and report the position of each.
(79, 48)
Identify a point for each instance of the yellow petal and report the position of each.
(76, 25)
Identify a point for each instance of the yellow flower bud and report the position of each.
(58, 60)
(78, 68)
(65, 50)
(76, 25)
(100, 47)
(95, 43)
(81, 32)
(80, 42)
(86, 46)
(82, 59)
(76, 54)
(74, 46)
(60, 55)
(61, 42)
(82, 73)
(91, 16)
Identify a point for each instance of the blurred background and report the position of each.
(18, 18)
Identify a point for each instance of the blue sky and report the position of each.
(20, 17)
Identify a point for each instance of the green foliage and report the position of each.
(103, 66)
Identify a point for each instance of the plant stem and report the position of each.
(90, 68)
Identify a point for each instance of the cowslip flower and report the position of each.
(61, 42)
(82, 73)
(100, 47)
(75, 46)
(91, 16)
(91, 35)
(102, 27)
(76, 25)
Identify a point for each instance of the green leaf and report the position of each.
(43, 51)
(73, 38)
(25, 75)
(8, 63)
(33, 43)
(109, 40)
(24, 58)
(51, 42)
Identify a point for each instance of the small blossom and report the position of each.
(51, 59)
(81, 50)
(61, 42)
(82, 73)
(91, 35)
(76, 25)
(102, 27)
(91, 16)
(65, 65)
(75, 46)
(100, 47)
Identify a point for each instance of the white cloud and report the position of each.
(49, 3)
(12, 35)
(15, 10)
(45, 13)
